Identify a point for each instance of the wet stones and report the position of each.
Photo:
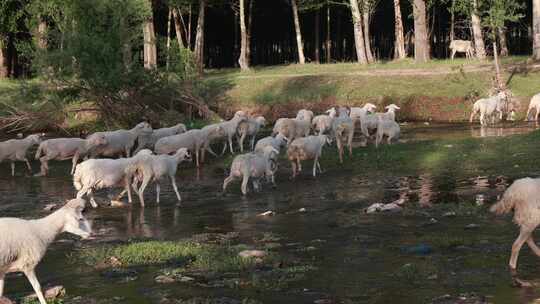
(51, 293)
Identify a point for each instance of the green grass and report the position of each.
(193, 256)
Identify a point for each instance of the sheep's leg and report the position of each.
(529, 110)
(351, 136)
(256, 185)
(224, 148)
(209, 149)
(482, 118)
(253, 143)
(128, 189)
(158, 189)
(44, 166)
(293, 165)
(319, 166)
(142, 188)
(2, 284)
(230, 145)
(12, 168)
(173, 182)
(74, 162)
(299, 164)
(245, 181)
(28, 165)
(453, 53)
(93, 202)
(315, 161)
(241, 142)
(524, 235)
(197, 152)
(533, 246)
(536, 116)
(31, 275)
(227, 181)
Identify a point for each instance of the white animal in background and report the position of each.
(121, 142)
(292, 128)
(66, 148)
(153, 168)
(16, 150)
(522, 198)
(387, 128)
(254, 166)
(250, 127)
(357, 113)
(307, 148)
(461, 46)
(148, 140)
(534, 105)
(95, 174)
(276, 142)
(390, 113)
(488, 107)
(305, 115)
(24, 242)
(321, 124)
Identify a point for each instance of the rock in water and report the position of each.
(252, 254)
(267, 213)
(49, 294)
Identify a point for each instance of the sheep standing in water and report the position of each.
(321, 124)
(254, 166)
(66, 148)
(121, 142)
(521, 197)
(487, 107)
(307, 148)
(534, 105)
(343, 130)
(16, 150)
(388, 128)
(250, 127)
(23, 243)
(276, 142)
(147, 140)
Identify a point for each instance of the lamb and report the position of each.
(121, 142)
(304, 115)
(321, 124)
(387, 128)
(488, 106)
(16, 150)
(95, 174)
(254, 166)
(155, 167)
(66, 148)
(343, 130)
(193, 140)
(148, 140)
(275, 142)
(307, 148)
(522, 198)
(24, 242)
(462, 46)
(534, 105)
(250, 127)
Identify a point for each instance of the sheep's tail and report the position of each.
(77, 178)
(39, 150)
(505, 204)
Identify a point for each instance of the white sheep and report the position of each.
(358, 112)
(292, 128)
(321, 124)
(195, 140)
(534, 105)
(387, 128)
(487, 108)
(148, 140)
(462, 46)
(66, 148)
(343, 131)
(155, 167)
(307, 148)
(255, 165)
(231, 129)
(250, 127)
(16, 150)
(276, 142)
(521, 197)
(305, 115)
(95, 174)
(24, 242)
(121, 142)
(370, 121)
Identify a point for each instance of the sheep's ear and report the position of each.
(76, 203)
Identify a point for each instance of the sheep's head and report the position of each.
(240, 114)
(143, 127)
(97, 139)
(144, 152)
(331, 112)
(261, 120)
(370, 108)
(183, 154)
(343, 111)
(392, 108)
(35, 138)
(326, 139)
(180, 128)
(74, 220)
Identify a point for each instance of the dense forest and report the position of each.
(229, 33)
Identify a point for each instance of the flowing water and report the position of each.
(359, 258)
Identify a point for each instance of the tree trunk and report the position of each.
(317, 37)
(149, 50)
(328, 37)
(250, 19)
(502, 41)
(358, 33)
(169, 17)
(242, 61)
(177, 15)
(199, 38)
(299, 43)
(399, 43)
(500, 85)
(477, 32)
(4, 71)
(536, 29)
(421, 47)
(189, 29)
(366, 18)
(452, 22)
(42, 34)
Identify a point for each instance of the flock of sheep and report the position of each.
(158, 152)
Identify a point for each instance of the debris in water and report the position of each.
(472, 226)
(267, 213)
(302, 210)
(449, 214)
(50, 207)
(51, 293)
(118, 204)
(380, 207)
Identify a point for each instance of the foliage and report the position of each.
(496, 13)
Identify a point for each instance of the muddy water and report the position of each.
(359, 258)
